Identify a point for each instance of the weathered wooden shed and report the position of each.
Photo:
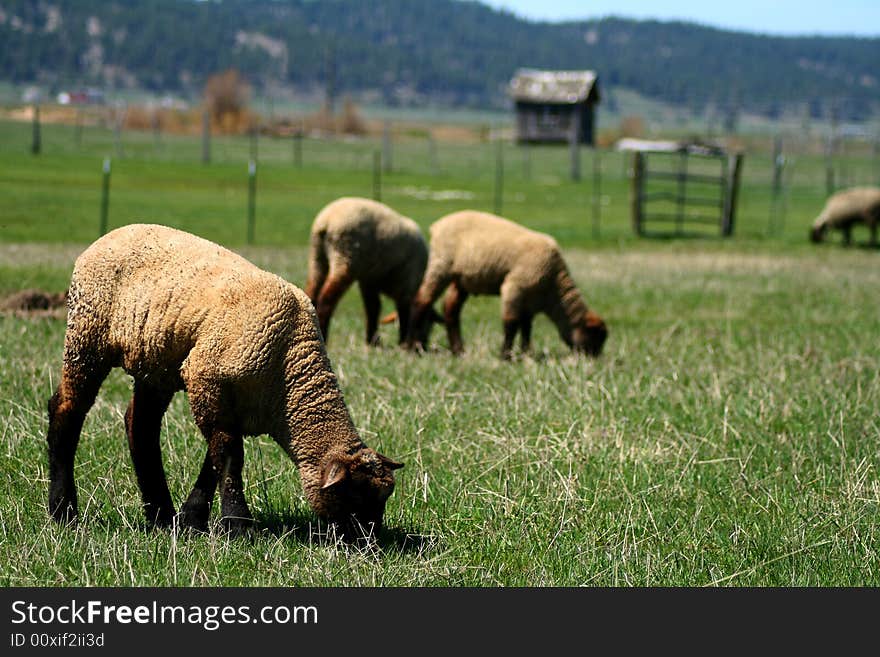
(550, 105)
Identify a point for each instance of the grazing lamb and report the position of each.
(845, 209)
(179, 312)
(357, 239)
(480, 253)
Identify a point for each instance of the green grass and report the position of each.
(728, 435)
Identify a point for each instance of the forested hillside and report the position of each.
(420, 51)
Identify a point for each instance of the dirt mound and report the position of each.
(34, 303)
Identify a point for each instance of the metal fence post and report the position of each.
(252, 200)
(105, 196)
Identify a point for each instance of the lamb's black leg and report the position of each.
(421, 314)
(372, 306)
(195, 511)
(511, 326)
(526, 333)
(143, 421)
(452, 304)
(403, 319)
(328, 297)
(210, 406)
(227, 458)
(68, 407)
(512, 313)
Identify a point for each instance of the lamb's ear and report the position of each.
(389, 463)
(592, 320)
(389, 318)
(334, 472)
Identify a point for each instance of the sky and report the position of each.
(786, 17)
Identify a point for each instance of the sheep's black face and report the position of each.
(589, 336)
(354, 489)
(816, 234)
(420, 328)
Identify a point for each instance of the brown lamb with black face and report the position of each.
(180, 313)
(846, 209)
(480, 253)
(358, 239)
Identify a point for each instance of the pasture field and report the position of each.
(728, 435)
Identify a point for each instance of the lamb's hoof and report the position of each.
(161, 518)
(416, 348)
(194, 519)
(63, 510)
(236, 527)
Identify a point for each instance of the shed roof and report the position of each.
(569, 87)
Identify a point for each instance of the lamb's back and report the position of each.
(849, 204)
(152, 294)
(481, 250)
(370, 238)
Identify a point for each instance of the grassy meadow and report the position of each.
(728, 435)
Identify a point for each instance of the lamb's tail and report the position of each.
(318, 264)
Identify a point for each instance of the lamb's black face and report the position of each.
(589, 337)
(816, 235)
(354, 490)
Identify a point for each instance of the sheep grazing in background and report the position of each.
(481, 253)
(357, 239)
(179, 312)
(847, 208)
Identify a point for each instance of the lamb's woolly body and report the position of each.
(180, 312)
(481, 253)
(849, 207)
(358, 239)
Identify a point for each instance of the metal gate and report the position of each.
(684, 188)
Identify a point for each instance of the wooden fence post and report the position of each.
(734, 169)
(37, 141)
(638, 179)
(681, 196)
(206, 137)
